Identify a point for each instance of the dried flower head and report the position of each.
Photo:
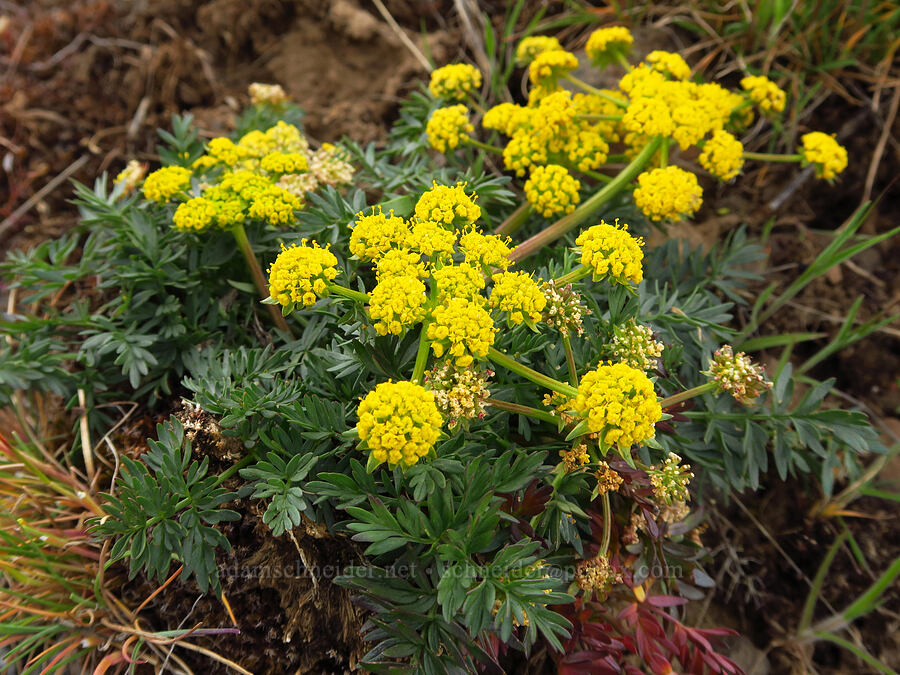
(594, 576)
(270, 94)
(634, 344)
(460, 393)
(736, 374)
(131, 176)
(563, 310)
(608, 479)
(670, 481)
(574, 458)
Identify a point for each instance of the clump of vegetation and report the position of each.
(513, 436)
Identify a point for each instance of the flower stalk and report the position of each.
(687, 394)
(588, 207)
(545, 381)
(528, 411)
(259, 279)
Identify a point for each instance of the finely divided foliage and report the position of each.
(511, 445)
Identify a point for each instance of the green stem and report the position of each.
(577, 274)
(545, 381)
(349, 293)
(664, 153)
(523, 410)
(588, 207)
(570, 361)
(772, 157)
(687, 394)
(581, 84)
(421, 355)
(259, 279)
(622, 61)
(607, 525)
(515, 220)
(599, 118)
(468, 140)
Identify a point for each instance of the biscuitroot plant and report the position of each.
(511, 453)
(499, 552)
(580, 147)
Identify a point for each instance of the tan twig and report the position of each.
(404, 38)
(879, 148)
(14, 217)
(86, 448)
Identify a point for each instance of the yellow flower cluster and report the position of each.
(611, 252)
(668, 193)
(828, 156)
(431, 240)
(767, 95)
(399, 422)
(448, 126)
(669, 63)
(400, 262)
(458, 281)
(300, 274)
(552, 190)
(397, 303)
(462, 329)
(507, 118)
(284, 162)
(265, 176)
(549, 66)
(275, 205)
(195, 215)
(163, 184)
(449, 206)
(605, 45)
(374, 235)
(517, 294)
(487, 250)
(723, 155)
(648, 116)
(533, 45)
(619, 403)
(455, 82)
